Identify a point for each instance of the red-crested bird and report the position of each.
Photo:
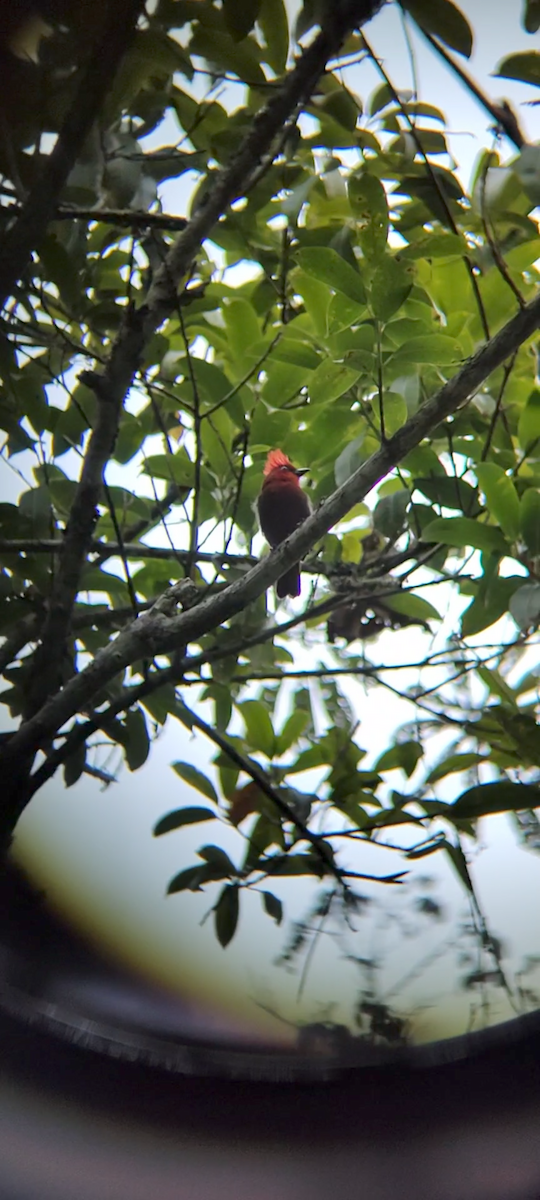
(282, 506)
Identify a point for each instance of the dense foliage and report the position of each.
(128, 353)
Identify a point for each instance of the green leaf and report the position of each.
(217, 859)
(389, 513)
(491, 602)
(390, 286)
(379, 99)
(370, 207)
(351, 546)
(292, 731)
(501, 497)
(160, 703)
(226, 914)
(436, 348)
(220, 49)
(136, 742)
(74, 765)
(525, 66)
(293, 864)
(525, 606)
(531, 16)
(192, 878)
(272, 906)
(243, 331)
(307, 759)
(330, 381)
(275, 26)
(35, 506)
(316, 298)
(175, 468)
(412, 606)
(450, 492)
(183, 816)
(445, 20)
(529, 520)
(529, 421)
(334, 100)
(459, 863)
(221, 697)
(259, 732)
(497, 685)
(350, 459)
(330, 268)
(490, 798)
(454, 763)
(196, 779)
(527, 169)
(404, 755)
(461, 531)
(240, 17)
(435, 245)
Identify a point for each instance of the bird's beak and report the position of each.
(301, 470)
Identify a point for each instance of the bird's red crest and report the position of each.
(276, 458)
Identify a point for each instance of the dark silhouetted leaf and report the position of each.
(183, 816)
(226, 914)
(218, 859)
(272, 906)
(445, 20)
(500, 797)
(136, 742)
(196, 779)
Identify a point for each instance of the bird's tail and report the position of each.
(289, 584)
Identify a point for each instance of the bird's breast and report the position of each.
(281, 510)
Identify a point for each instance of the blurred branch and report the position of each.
(125, 218)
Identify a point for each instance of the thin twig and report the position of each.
(507, 371)
(437, 185)
(197, 433)
(121, 548)
(501, 114)
(492, 243)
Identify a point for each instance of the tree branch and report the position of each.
(159, 630)
(501, 113)
(95, 83)
(259, 777)
(125, 218)
(110, 390)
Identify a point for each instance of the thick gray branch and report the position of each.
(157, 632)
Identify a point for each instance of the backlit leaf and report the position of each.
(329, 267)
(181, 817)
(226, 914)
(445, 20)
(196, 779)
(461, 531)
